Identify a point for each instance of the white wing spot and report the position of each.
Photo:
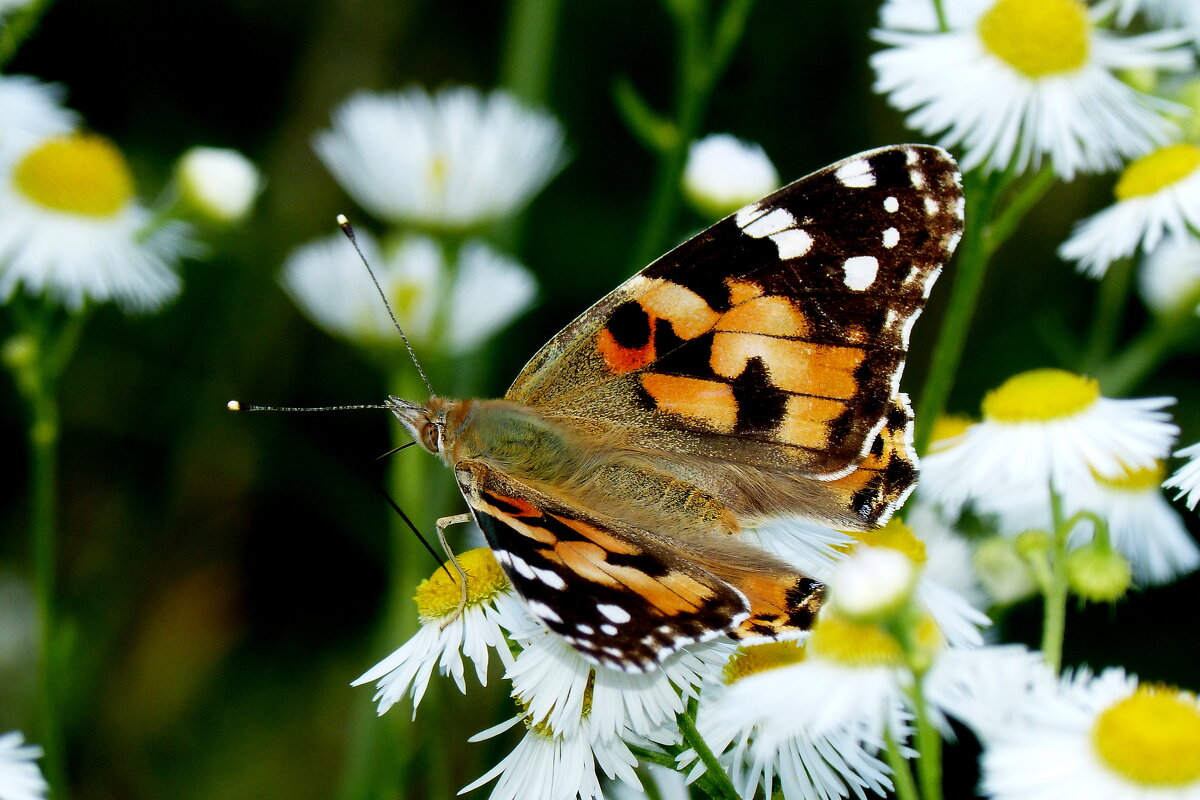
(611, 630)
(856, 175)
(550, 578)
(502, 557)
(960, 208)
(747, 214)
(792, 243)
(911, 156)
(778, 220)
(523, 569)
(586, 630)
(891, 205)
(917, 177)
(932, 206)
(891, 238)
(543, 611)
(860, 272)
(614, 613)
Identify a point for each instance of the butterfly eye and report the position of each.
(431, 436)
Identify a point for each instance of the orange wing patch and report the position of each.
(710, 402)
(793, 366)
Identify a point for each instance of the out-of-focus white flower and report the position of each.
(1047, 428)
(724, 173)
(1170, 273)
(454, 159)
(1158, 195)
(72, 229)
(20, 778)
(444, 638)
(872, 584)
(30, 111)
(329, 283)
(219, 183)
(1162, 14)
(1016, 82)
(1187, 478)
(1105, 736)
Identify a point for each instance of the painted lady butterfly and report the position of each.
(752, 373)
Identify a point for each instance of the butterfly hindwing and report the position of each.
(784, 326)
(615, 593)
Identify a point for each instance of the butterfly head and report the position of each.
(426, 423)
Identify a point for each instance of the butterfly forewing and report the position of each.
(784, 326)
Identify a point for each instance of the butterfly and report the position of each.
(748, 375)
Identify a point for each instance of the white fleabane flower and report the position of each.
(1017, 82)
(546, 765)
(1158, 195)
(453, 159)
(329, 283)
(1170, 274)
(872, 584)
(443, 639)
(761, 749)
(219, 183)
(1047, 428)
(1105, 736)
(562, 690)
(72, 229)
(30, 111)
(1187, 478)
(20, 778)
(724, 173)
(989, 690)
(1162, 14)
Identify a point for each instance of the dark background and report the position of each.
(223, 573)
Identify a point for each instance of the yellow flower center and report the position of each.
(756, 658)
(76, 174)
(896, 535)
(438, 596)
(854, 644)
(946, 428)
(1136, 479)
(1040, 395)
(1156, 171)
(1037, 37)
(1151, 737)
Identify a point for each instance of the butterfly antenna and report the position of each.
(396, 507)
(395, 450)
(344, 224)
(238, 405)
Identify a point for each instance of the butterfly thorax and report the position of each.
(591, 466)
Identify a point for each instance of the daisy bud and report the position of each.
(724, 173)
(873, 584)
(219, 184)
(1002, 573)
(1098, 574)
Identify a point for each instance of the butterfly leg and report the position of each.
(442, 524)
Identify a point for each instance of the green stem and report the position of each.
(964, 296)
(692, 737)
(940, 12)
(929, 744)
(906, 787)
(18, 27)
(1111, 299)
(652, 756)
(1054, 624)
(1151, 348)
(529, 49)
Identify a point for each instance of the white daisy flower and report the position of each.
(1105, 736)
(453, 159)
(1170, 273)
(1158, 195)
(949, 559)
(990, 687)
(724, 173)
(1015, 82)
(1047, 428)
(219, 183)
(873, 584)
(763, 750)
(1162, 14)
(559, 688)
(72, 229)
(443, 638)
(546, 765)
(1187, 478)
(327, 281)
(20, 778)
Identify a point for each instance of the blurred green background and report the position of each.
(222, 574)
